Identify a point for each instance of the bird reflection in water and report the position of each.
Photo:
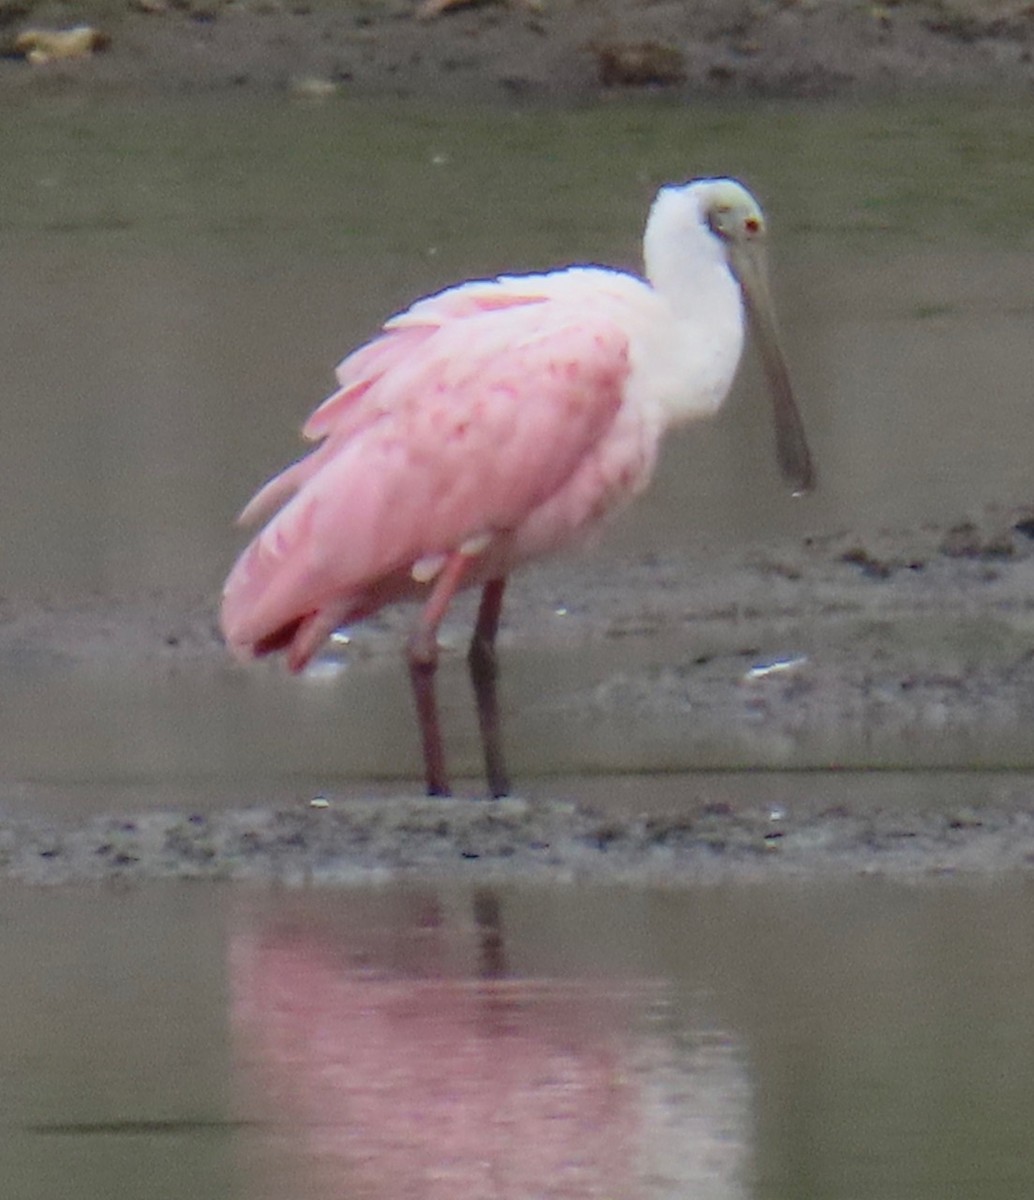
(446, 1080)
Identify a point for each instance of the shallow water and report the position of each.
(180, 279)
(770, 1041)
(178, 283)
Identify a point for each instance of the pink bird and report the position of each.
(498, 421)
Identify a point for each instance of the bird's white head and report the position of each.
(701, 216)
(705, 240)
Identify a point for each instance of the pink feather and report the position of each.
(491, 411)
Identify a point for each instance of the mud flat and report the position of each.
(922, 641)
(559, 51)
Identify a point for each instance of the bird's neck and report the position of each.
(688, 269)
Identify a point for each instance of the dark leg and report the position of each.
(422, 655)
(488, 918)
(483, 673)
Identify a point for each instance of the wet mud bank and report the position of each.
(805, 658)
(390, 838)
(550, 51)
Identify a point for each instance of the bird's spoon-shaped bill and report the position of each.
(747, 260)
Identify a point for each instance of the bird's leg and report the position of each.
(422, 656)
(491, 942)
(484, 670)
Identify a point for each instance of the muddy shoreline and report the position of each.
(408, 837)
(556, 51)
(855, 601)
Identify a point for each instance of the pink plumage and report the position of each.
(487, 413)
(495, 422)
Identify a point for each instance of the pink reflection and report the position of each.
(428, 1088)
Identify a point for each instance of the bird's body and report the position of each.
(487, 425)
(507, 416)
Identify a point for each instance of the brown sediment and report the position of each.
(559, 51)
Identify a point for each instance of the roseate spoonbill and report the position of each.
(495, 422)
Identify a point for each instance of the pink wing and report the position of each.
(457, 423)
(344, 411)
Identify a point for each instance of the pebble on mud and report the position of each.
(638, 64)
(313, 87)
(39, 46)
(434, 8)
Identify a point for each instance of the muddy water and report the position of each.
(179, 281)
(770, 1041)
(178, 284)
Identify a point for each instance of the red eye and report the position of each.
(752, 225)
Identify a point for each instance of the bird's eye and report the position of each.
(752, 225)
(718, 220)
